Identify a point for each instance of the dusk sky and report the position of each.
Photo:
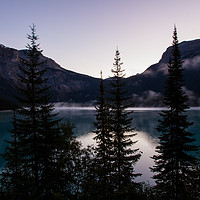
(82, 35)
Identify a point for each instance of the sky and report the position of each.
(83, 35)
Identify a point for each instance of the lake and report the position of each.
(144, 122)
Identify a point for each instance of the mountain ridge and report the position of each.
(145, 89)
(148, 87)
(66, 85)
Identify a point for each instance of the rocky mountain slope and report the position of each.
(66, 85)
(146, 89)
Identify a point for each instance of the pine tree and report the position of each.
(12, 177)
(68, 170)
(193, 181)
(123, 157)
(104, 147)
(174, 159)
(36, 130)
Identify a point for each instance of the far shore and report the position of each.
(73, 107)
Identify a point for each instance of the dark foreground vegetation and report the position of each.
(45, 161)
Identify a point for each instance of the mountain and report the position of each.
(146, 89)
(67, 86)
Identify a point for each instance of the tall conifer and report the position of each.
(35, 131)
(104, 147)
(12, 176)
(174, 159)
(123, 157)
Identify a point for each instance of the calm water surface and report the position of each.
(144, 122)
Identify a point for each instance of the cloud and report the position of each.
(193, 98)
(147, 98)
(193, 63)
(162, 67)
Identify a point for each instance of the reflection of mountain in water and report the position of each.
(82, 119)
(146, 145)
(143, 120)
(146, 121)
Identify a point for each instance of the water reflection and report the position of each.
(5, 126)
(146, 145)
(82, 119)
(144, 121)
(194, 116)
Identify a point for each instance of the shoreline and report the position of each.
(93, 108)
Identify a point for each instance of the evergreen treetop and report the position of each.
(174, 159)
(124, 156)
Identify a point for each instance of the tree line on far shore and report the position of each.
(45, 161)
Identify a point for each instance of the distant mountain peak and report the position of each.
(66, 85)
(153, 78)
(189, 49)
(146, 89)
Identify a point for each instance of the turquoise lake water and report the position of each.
(144, 121)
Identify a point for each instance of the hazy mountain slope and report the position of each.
(66, 85)
(146, 88)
